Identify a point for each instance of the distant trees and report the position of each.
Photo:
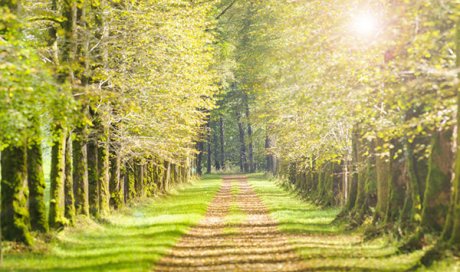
(114, 87)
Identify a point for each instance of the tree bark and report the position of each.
(93, 192)
(382, 167)
(14, 213)
(36, 182)
(209, 156)
(57, 177)
(116, 186)
(222, 142)
(103, 169)
(80, 171)
(216, 150)
(452, 228)
(251, 166)
(199, 159)
(243, 162)
(69, 202)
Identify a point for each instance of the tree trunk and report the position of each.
(250, 167)
(36, 182)
(365, 177)
(14, 213)
(199, 159)
(167, 176)
(80, 171)
(93, 192)
(216, 150)
(139, 178)
(130, 184)
(222, 143)
(209, 157)
(398, 186)
(103, 169)
(116, 186)
(412, 213)
(353, 183)
(69, 202)
(57, 177)
(270, 160)
(452, 228)
(383, 177)
(243, 162)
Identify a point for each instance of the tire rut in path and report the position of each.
(255, 245)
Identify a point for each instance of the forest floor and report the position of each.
(237, 224)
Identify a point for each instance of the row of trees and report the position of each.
(120, 90)
(363, 119)
(235, 138)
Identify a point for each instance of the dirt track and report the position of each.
(254, 245)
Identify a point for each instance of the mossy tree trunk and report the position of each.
(437, 191)
(69, 206)
(116, 184)
(411, 215)
(130, 183)
(14, 213)
(452, 227)
(398, 186)
(167, 176)
(383, 177)
(199, 158)
(80, 171)
(139, 178)
(36, 183)
(103, 169)
(93, 192)
(57, 177)
(14, 191)
(353, 182)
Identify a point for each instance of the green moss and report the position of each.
(80, 171)
(93, 192)
(103, 171)
(437, 192)
(115, 182)
(36, 182)
(130, 182)
(69, 202)
(56, 213)
(14, 213)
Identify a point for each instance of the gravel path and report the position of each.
(253, 245)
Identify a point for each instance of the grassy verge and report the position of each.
(130, 240)
(325, 246)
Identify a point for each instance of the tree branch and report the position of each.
(225, 10)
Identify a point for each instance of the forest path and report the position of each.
(237, 234)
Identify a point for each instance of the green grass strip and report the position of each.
(325, 246)
(130, 240)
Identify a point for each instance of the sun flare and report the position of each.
(365, 23)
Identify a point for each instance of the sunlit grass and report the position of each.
(323, 245)
(130, 240)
